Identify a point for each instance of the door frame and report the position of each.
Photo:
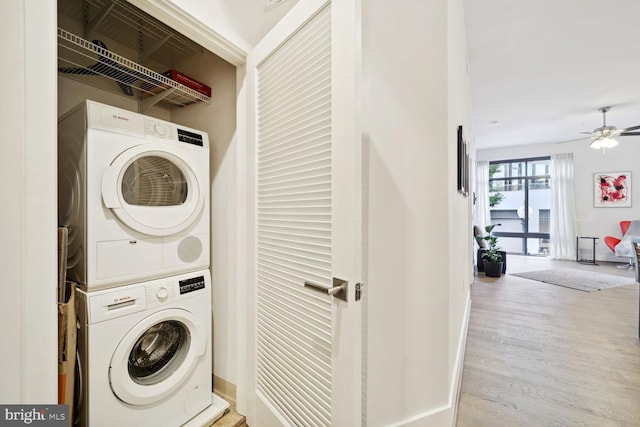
(29, 249)
(35, 236)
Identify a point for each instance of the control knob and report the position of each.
(162, 294)
(160, 129)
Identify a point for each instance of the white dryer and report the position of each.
(145, 353)
(134, 193)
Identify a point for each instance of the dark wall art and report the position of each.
(463, 164)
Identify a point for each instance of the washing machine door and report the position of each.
(156, 356)
(153, 191)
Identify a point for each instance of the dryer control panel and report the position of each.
(117, 120)
(159, 129)
(190, 137)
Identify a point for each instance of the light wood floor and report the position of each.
(231, 418)
(544, 355)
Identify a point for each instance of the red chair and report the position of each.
(612, 242)
(624, 226)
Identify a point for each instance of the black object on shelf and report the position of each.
(108, 68)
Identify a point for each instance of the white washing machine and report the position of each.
(134, 193)
(145, 353)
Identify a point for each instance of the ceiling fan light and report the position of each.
(608, 142)
(596, 144)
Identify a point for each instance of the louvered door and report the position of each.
(307, 341)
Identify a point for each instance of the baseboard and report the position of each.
(454, 398)
(224, 389)
(437, 417)
(446, 415)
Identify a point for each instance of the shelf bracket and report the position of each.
(91, 26)
(147, 103)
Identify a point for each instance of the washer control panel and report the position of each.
(191, 284)
(160, 293)
(106, 305)
(109, 304)
(164, 291)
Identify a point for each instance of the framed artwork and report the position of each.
(612, 189)
(463, 164)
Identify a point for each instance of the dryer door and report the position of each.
(153, 191)
(156, 357)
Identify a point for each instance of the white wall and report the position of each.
(219, 121)
(28, 189)
(461, 251)
(417, 295)
(590, 221)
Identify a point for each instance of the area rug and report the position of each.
(582, 280)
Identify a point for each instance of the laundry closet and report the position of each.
(414, 99)
(115, 54)
(285, 189)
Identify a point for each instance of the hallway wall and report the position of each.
(415, 95)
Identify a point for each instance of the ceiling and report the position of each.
(540, 69)
(246, 20)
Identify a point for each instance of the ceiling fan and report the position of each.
(604, 136)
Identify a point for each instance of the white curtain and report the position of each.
(562, 228)
(483, 216)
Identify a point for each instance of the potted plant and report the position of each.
(492, 256)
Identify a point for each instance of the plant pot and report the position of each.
(480, 260)
(492, 269)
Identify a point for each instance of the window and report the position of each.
(519, 200)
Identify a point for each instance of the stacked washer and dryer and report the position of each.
(134, 194)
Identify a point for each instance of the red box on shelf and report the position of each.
(183, 79)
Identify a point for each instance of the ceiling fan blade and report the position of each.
(584, 138)
(625, 130)
(587, 133)
(629, 133)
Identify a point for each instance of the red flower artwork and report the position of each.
(613, 188)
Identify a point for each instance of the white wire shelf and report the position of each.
(130, 26)
(97, 66)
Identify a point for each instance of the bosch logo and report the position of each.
(115, 116)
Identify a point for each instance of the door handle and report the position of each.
(339, 289)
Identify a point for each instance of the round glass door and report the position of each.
(154, 181)
(154, 191)
(157, 353)
(156, 356)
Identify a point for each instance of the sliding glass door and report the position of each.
(520, 200)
